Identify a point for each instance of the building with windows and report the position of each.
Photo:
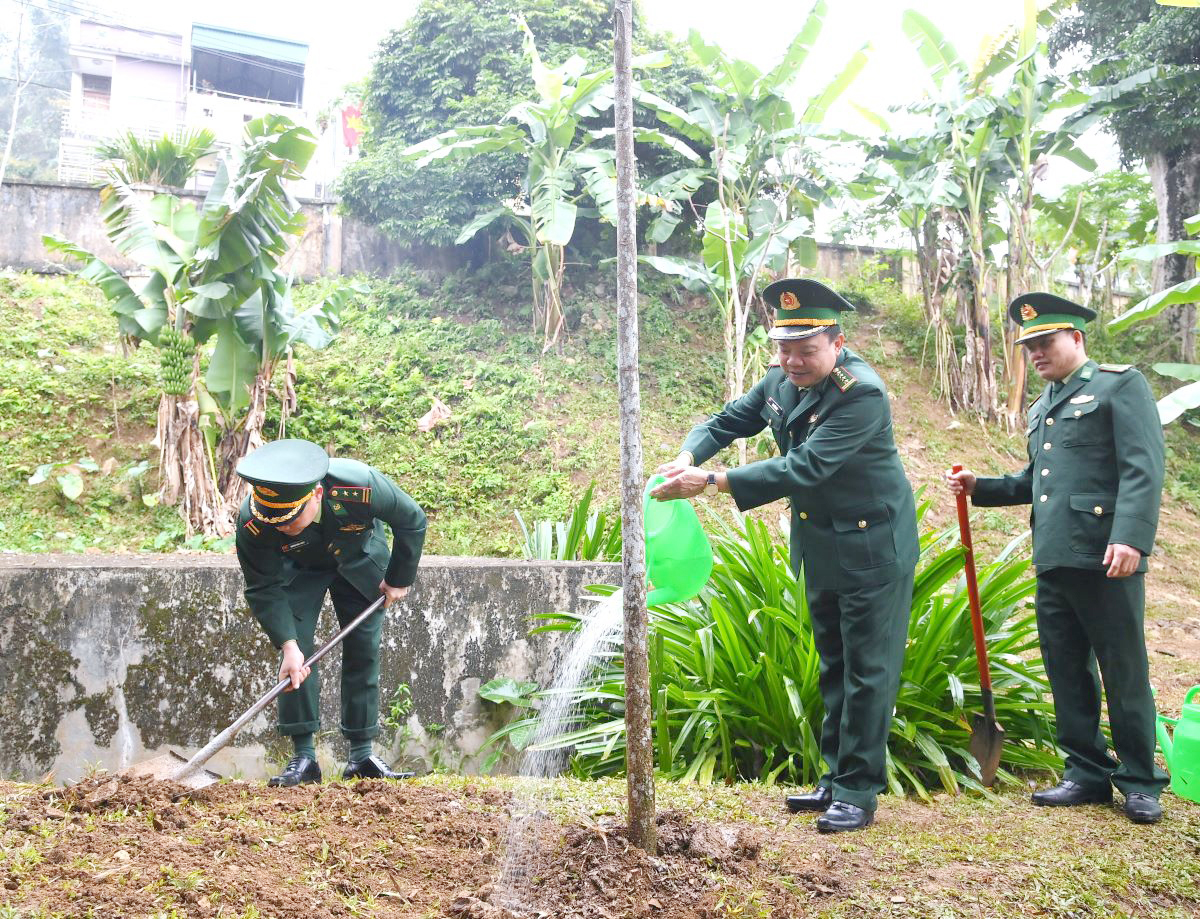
(154, 83)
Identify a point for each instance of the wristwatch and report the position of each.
(710, 486)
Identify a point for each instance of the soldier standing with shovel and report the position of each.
(1094, 478)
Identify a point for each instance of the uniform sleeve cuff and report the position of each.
(1133, 531)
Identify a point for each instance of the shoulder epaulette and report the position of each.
(1116, 368)
(843, 378)
(359, 493)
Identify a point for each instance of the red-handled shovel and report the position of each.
(987, 737)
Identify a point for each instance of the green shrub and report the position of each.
(734, 677)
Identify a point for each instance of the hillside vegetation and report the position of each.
(527, 432)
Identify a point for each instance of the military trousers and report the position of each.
(1085, 619)
(300, 710)
(860, 637)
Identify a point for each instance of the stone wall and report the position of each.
(107, 660)
(331, 244)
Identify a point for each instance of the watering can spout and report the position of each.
(1164, 740)
(679, 556)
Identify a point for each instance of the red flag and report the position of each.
(352, 125)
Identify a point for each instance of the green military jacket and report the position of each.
(1095, 470)
(359, 502)
(853, 519)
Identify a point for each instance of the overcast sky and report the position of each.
(342, 37)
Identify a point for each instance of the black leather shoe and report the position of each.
(372, 768)
(301, 770)
(842, 817)
(1142, 808)
(818, 799)
(1067, 794)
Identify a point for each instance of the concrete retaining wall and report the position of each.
(106, 660)
(330, 245)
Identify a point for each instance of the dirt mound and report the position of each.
(125, 846)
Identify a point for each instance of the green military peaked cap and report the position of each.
(283, 475)
(803, 307)
(1041, 313)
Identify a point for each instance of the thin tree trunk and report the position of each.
(639, 742)
(237, 444)
(1175, 177)
(185, 469)
(19, 86)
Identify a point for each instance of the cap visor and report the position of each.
(785, 333)
(1032, 335)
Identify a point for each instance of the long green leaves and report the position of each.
(734, 676)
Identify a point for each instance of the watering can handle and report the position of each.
(1191, 694)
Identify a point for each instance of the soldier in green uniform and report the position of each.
(312, 526)
(853, 530)
(1094, 478)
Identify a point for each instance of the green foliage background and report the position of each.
(458, 64)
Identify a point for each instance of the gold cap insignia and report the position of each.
(788, 301)
(1028, 312)
(265, 492)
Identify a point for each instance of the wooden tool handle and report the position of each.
(981, 655)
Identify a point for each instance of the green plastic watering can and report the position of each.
(679, 557)
(1181, 747)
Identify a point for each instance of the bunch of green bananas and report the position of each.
(176, 351)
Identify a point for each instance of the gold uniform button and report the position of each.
(1098, 509)
(1047, 446)
(804, 515)
(1049, 421)
(1045, 472)
(1043, 498)
(862, 524)
(1078, 412)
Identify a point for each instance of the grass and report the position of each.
(528, 431)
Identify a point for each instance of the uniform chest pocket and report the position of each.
(863, 537)
(1084, 424)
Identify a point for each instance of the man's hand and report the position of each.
(292, 667)
(961, 483)
(1122, 560)
(674, 467)
(687, 483)
(392, 593)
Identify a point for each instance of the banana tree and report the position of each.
(768, 181)
(965, 119)
(214, 289)
(909, 177)
(1184, 293)
(565, 165)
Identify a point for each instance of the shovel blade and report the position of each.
(987, 743)
(170, 767)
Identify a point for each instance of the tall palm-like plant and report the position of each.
(767, 180)
(134, 160)
(214, 279)
(565, 164)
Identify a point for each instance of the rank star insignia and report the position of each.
(788, 300)
(1028, 312)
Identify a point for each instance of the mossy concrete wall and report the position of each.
(107, 660)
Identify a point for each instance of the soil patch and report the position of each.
(115, 847)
